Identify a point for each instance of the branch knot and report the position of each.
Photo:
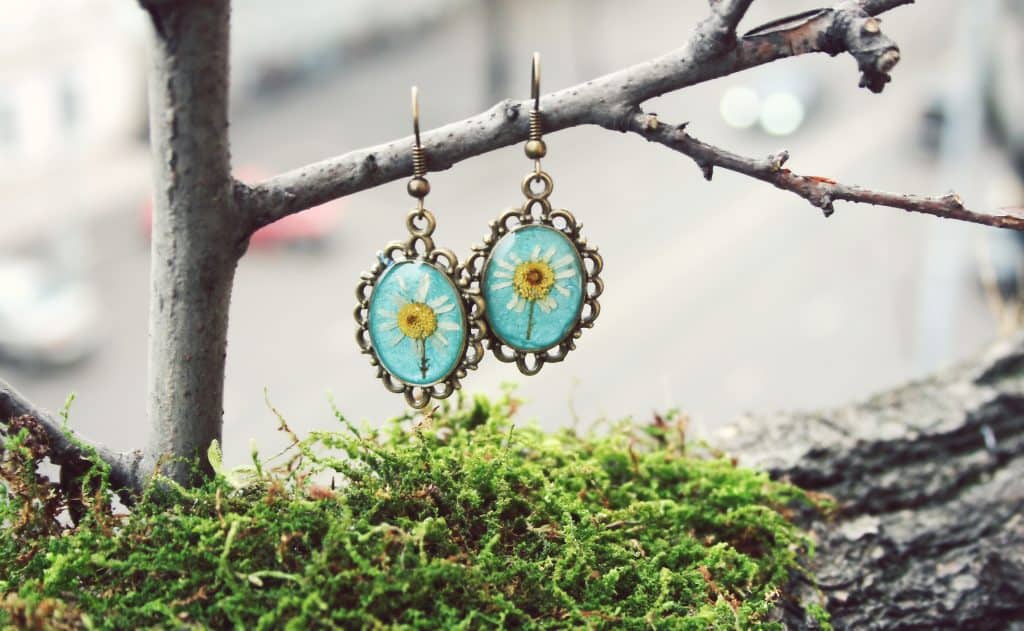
(856, 31)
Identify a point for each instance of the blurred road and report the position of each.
(720, 297)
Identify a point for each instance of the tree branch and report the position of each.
(848, 27)
(821, 192)
(610, 101)
(67, 449)
(197, 234)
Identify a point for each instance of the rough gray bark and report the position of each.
(198, 233)
(929, 481)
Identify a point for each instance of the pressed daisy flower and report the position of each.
(410, 316)
(533, 280)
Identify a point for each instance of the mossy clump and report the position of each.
(459, 520)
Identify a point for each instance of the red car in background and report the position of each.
(309, 228)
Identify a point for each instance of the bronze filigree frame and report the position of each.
(420, 247)
(537, 211)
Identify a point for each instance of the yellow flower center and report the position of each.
(417, 320)
(533, 279)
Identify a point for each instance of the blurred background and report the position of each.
(720, 297)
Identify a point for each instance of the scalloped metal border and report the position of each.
(472, 305)
(530, 362)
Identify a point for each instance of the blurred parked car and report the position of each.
(48, 318)
(308, 229)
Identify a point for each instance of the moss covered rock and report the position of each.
(459, 520)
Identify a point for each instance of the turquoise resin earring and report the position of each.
(417, 320)
(538, 277)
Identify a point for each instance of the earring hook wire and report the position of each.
(416, 114)
(535, 84)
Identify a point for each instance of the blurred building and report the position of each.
(73, 90)
(73, 105)
(72, 83)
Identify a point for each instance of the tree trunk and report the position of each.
(929, 480)
(198, 233)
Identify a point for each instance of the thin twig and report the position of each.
(821, 192)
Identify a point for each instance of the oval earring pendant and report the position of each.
(417, 320)
(539, 278)
(421, 327)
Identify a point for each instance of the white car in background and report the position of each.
(48, 318)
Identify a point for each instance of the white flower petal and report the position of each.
(502, 285)
(445, 309)
(448, 325)
(543, 304)
(562, 262)
(398, 338)
(399, 301)
(435, 344)
(521, 305)
(501, 274)
(512, 303)
(566, 273)
(562, 290)
(401, 284)
(550, 253)
(535, 255)
(421, 294)
(388, 325)
(439, 337)
(512, 256)
(510, 267)
(437, 302)
(550, 302)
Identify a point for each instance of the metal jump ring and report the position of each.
(538, 176)
(424, 215)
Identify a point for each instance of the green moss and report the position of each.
(459, 521)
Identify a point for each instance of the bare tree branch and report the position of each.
(821, 192)
(848, 27)
(610, 101)
(66, 449)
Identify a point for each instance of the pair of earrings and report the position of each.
(527, 292)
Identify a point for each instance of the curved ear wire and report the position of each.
(418, 186)
(535, 148)
(535, 83)
(416, 114)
